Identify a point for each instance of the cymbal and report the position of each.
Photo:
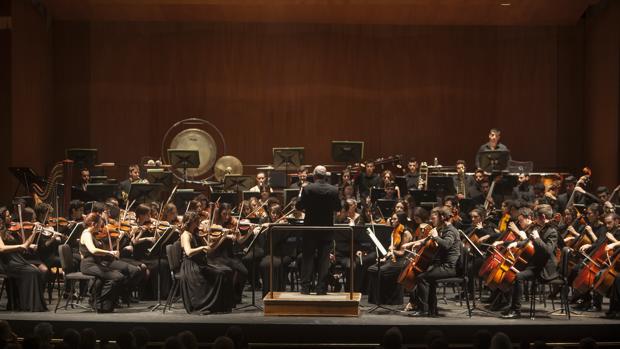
(227, 165)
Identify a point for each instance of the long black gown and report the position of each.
(205, 286)
(26, 283)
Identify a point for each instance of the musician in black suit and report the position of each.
(320, 201)
(544, 237)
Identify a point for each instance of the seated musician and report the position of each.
(346, 191)
(450, 202)
(596, 230)
(102, 263)
(524, 190)
(280, 259)
(224, 253)
(462, 182)
(413, 175)
(492, 144)
(348, 214)
(171, 215)
(444, 262)
(302, 174)
(544, 237)
(32, 255)
(26, 283)
(144, 236)
(382, 286)
(206, 286)
(134, 177)
(613, 235)
(76, 211)
(84, 178)
(475, 187)
(261, 180)
(367, 180)
(482, 233)
(388, 180)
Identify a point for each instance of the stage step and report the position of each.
(297, 304)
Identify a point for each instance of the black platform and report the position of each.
(290, 331)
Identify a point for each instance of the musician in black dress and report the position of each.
(444, 262)
(382, 285)
(544, 237)
(320, 201)
(206, 286)
(102, 263)
(26, 283)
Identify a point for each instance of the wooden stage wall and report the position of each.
(422, 91)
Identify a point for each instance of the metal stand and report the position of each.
(253, 276)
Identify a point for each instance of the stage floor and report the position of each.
(367, 329)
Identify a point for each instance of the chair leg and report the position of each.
(173, 290)
(533, 286)
(564, 299)
(59, 299)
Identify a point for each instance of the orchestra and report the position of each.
(518, 221)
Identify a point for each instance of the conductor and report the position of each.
(320, 201)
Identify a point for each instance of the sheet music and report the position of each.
(376, 241)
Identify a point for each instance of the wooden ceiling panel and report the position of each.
(397, 12)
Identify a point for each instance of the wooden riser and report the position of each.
(297, 304)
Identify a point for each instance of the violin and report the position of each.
(58, 221)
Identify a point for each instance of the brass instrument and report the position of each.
(423, 181)
(460, 188)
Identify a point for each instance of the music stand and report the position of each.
(441, 184)
(182, 197)
(381, 251)
(249, 194)
(277, 179)
(82, 157)
(288, 158)
(493, 160)
(347, 151)
(386, 207)
(376, 194)
(290, 194)
(158, 247)
(184, 158)
(143, 192)
(158, 175)
(101, 191)
(424, 198)
(237, 183)
(227, 197)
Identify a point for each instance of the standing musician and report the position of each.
(367, 180)
(413, 175)
(446, 237)
(26, 282)
(544, 237)
(320, 201)
(206, 286)
(385, 285)
(492, 144)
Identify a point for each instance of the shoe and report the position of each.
(582, 306)
(409, 307)
(417, 313)
(511, 314)
(593, 309)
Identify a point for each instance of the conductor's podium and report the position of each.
(297, 304)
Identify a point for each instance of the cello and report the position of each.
(495, 254)
(604, 280)
(422, 259)
(591, 266)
